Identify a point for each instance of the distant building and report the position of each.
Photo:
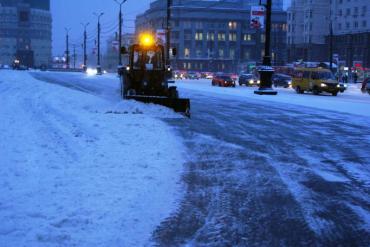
(308, 24)
(351, 29)
(110, 58)
(25, 32)
(216, 35)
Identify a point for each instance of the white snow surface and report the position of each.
(352, 101)
(80, 170)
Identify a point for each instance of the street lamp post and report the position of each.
(67, 47)
(85, 46)
(266, 71)
(120, 3)
(168, 32)
(98, 65)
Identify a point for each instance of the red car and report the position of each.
(223, 81)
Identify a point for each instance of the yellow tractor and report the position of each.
(147, 77)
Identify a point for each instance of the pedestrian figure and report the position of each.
(355, 77)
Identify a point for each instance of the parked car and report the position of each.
(315, 80)
(192, 76)
(366, 85)
(248, 80)
(178, 75)
(223, 81)
(208, 75)
(281, 80)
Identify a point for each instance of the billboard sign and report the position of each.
(257, 17)
(161, 36)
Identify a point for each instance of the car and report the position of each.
(366, 85)
(223, 81)
(178, 75)
(281, 80)
(315, 80)
(192, 76)
(248, 80)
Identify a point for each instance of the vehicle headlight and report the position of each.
(323, 85)
(289, 82)
(338, 85)
(251, 81)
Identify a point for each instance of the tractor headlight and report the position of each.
(323, 85)
(258, 82)
(128, 68)
(338, 85)
(251, 81)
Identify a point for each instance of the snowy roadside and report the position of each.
(79, 170)
(351, 101)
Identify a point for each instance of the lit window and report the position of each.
(232, 36)
(186, 52)
(221, 53)
(198, 36)
(221, 37)
(210, 36)
(233, 25)
(247, 37)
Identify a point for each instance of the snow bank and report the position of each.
(79, 170)
(351, 101)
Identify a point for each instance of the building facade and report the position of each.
(25, 32)
(216, 35)
(351, 30)
(308, 25)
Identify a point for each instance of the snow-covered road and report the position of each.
(290, 170)
(82, 169)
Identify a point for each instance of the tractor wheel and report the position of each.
(173, 93)
(299, 90)
(123, 89)
(315, 91)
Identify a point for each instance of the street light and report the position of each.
(98, 66)
(120, 3)
(84, 45)
(266, 71)
(67, 46)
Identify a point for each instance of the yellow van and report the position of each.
(315, 80)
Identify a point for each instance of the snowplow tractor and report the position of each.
(146, 78)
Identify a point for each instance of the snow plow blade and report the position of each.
(178, 105)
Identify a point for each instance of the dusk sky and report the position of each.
(70, 13)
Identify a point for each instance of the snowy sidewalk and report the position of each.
(78, 170)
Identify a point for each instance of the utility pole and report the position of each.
(98, 65)
(168, 32)
(67, 47)
(266, 71)
(85, 46)
(331, 38)
(74, 56)
(120, 3)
